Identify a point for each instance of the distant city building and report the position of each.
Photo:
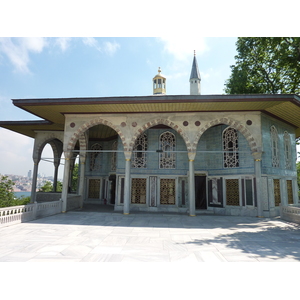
(222, 154)
(29, 174)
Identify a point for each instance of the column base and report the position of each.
(125, 213)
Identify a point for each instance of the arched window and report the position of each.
(95, 157)
(274, 147)
(230, 148)
(287, 150)
(167, 143)
(114, 156)
(139, 159)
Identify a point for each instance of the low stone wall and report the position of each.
(290, 213)
(73, 201)
(46, 197)
(24, 213)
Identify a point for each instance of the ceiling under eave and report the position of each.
(284, 107)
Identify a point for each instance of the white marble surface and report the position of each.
(114, 237)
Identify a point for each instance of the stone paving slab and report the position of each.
(86, 236)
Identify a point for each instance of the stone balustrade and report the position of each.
(24, 213)
(290, 213)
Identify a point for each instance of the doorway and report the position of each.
(200, 192)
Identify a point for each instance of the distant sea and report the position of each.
(25, 194)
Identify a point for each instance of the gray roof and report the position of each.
(195, 72)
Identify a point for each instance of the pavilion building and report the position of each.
(222, 154)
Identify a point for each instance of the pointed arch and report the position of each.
(155, 122)
(83, 128)
(53, 138)
(233, 124)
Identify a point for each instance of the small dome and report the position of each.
(159, 74)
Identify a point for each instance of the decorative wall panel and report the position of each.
(153, 181)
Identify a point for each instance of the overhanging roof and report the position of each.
(52, 110)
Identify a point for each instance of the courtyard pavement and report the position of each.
(93, 236)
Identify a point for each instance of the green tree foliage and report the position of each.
(75, 177)
(7, 196)
(48, 187)
(266, 65)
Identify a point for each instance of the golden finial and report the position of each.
(194, 52)
(159, 70)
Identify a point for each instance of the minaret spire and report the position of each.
(195, 78)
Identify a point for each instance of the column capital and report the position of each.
(192, 156)
(257, 156)
(127, 155)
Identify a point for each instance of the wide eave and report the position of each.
(52, 111)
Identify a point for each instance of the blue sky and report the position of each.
(91, 67)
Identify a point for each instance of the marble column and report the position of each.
(81, 180)
(34, 180)
(127, 183)
(257, 169)
(56, 165)
(64, 194)
(192, 204)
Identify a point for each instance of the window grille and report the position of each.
(114, 156)
(230, 146)
(138, 190)
(94, 188)
(139, 159)
(287, 150)
(167, 191)
(289, 184)
(232, 192)
(167, 145)
(95, 157)
(274, 147)
(277, 197)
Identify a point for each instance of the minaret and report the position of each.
(195, 78)
(159, 84)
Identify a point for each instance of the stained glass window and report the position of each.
(274, 147)
(139, 159)
(287, 150)
(114, 156)
(167, 145)
(95, 157)
(230, 147)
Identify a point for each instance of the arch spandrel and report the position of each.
(160, 121)
(80, 134)
(43, 138)
(254, 146)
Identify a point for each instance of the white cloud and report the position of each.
(107, 47)
(15, 153)
(183, 47)
(17, 50)
(111, 48)
(63, 43)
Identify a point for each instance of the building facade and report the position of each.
(222, 154)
